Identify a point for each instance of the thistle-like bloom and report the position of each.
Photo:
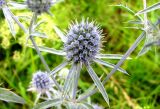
(42, 84)
(2, 3)
(39, 6)
(83, 42)
(82, 47)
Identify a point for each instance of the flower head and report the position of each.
(41, 82)
(83, 42)
(81, 46)
(39, 6)
(2, 3)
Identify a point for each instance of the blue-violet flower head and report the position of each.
(83, 41)
(2, 3)
(39, 6)
(41, 82)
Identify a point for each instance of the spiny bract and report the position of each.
(41, 81)
(83, 41)
(39, 6)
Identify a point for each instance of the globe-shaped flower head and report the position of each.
(41, 82)
(2, 3)
(81, 46)
(83, 42)
(39, 6)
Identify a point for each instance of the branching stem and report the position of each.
(33, 20)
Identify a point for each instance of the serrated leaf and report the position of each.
(9, 96)
(48, 104)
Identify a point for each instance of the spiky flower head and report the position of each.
(2, 2)
(39, 6)
(41, 82)
(83, 41)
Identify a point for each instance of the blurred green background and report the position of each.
(139, 90)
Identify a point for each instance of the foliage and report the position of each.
(139, 90)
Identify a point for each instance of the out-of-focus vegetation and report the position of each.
(139, 90)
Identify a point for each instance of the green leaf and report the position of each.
(48, 104)
(9, 96)
(98, 83)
